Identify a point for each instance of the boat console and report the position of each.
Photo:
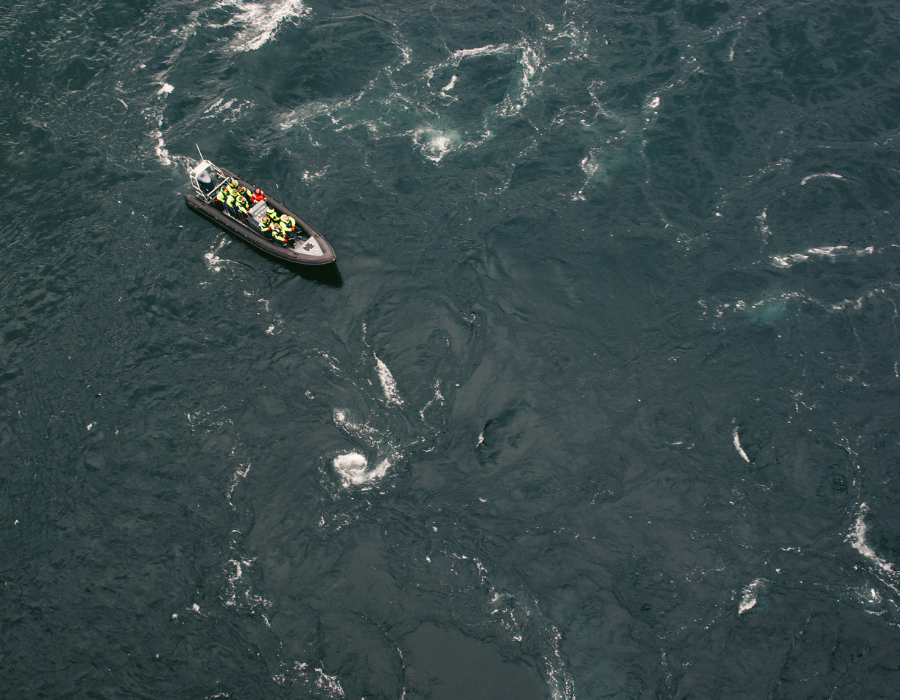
(206, 178)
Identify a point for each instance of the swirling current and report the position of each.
(599, 401)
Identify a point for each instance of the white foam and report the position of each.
(438, 396)
(857, 538)
(737, 445)
(434, 144)
(233, 578)
(365, 431)
(457, 56)
(162, 153)
(748, 600)
(448, 86)
(591, 165)
(307, 175)
(830, 252)
(529, 61)
(239, 473)
(764, 226)
(352, 467)
(310, 110)
(520, 617)
(239, 592)
(387, 383)
(816, 175)
(261, 20)
(562, 685)
(213, 262)
(788, 260)
(329, 684)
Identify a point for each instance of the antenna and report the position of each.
(200, 152)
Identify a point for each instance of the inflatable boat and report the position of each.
(303, 246)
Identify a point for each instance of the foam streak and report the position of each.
(391, 394)
(737, 445)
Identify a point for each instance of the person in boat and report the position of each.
(257, 196)
(275, 232)
(241, 204)
(240, 190)
(268, 224)
(224, 191)
(232, 203)
(271, 224)
(287, 225)
(278, 235)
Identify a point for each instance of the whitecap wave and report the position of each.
(748, 597)
(261, 21)
(857, 539)
(818, 175)
(737, 445)
(449, 86)
(353, 469)
(434, 144)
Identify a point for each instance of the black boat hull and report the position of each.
(257, 240)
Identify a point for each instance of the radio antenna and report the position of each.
(200, 152)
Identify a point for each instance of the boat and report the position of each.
(308, 246)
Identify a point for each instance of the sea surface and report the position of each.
(601, 399)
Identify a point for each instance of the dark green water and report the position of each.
(601, 399)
